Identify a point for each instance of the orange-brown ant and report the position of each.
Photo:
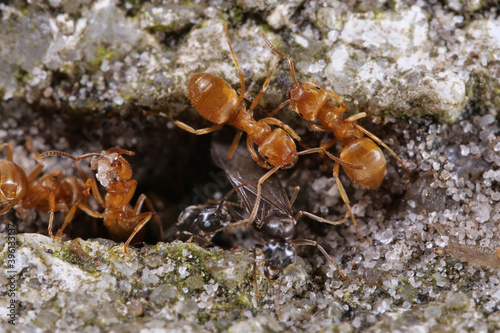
(49, 193)
(311, 102)
(113, 172)
(216, 101)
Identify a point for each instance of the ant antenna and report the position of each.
(290, 62)
(240, 73)
(120, 151)
(63, 154)
(219, 209)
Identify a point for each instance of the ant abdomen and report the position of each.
(364, 151)
(212, 97)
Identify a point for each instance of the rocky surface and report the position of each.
(76, 76)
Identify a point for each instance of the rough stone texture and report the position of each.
(392, 59)
(76, 75)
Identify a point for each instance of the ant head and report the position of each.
(279, 149)
(13, 183)
(111, 166)
(209, 221)
(307, 98)
(278, 255)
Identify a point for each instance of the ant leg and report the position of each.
(254, 155)
(35, 173)
(363, 115)
(377, 119)
(288, 129)
(195, 238)
(8, 148)
(257, 198)
(264, 88)
(328, 144)
(90, 212)
(52, 204)
(139, 203)
(5, 209)
(319, 128)
(355, 117)
(327, 256)
(188, 128)
(279, 123)
(53, 174)
(230, 225)
(138, 207)
(294, 195)
(344, 163)
(346, 200)
(56, 208)
(320, 150)
(257, 294)
(91, 184)
(144, 217)
(234, 145)
(240, 73)
(52, 209)
(377, 140)
(277, 307)
(250, 99)
(67, 220)
(320, 219)
(343, 105)
(35, 154)
(228, 194)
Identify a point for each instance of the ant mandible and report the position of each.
(310, 101)
(49, 193)
(216, 101)
(113, 172)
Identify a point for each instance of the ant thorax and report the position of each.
(106, 173)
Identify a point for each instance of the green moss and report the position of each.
(464, 283)
(236, 15)
(21, 75)
(244, 300)
(102, 54)
(420, 102)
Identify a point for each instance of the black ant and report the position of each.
(276, 222)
